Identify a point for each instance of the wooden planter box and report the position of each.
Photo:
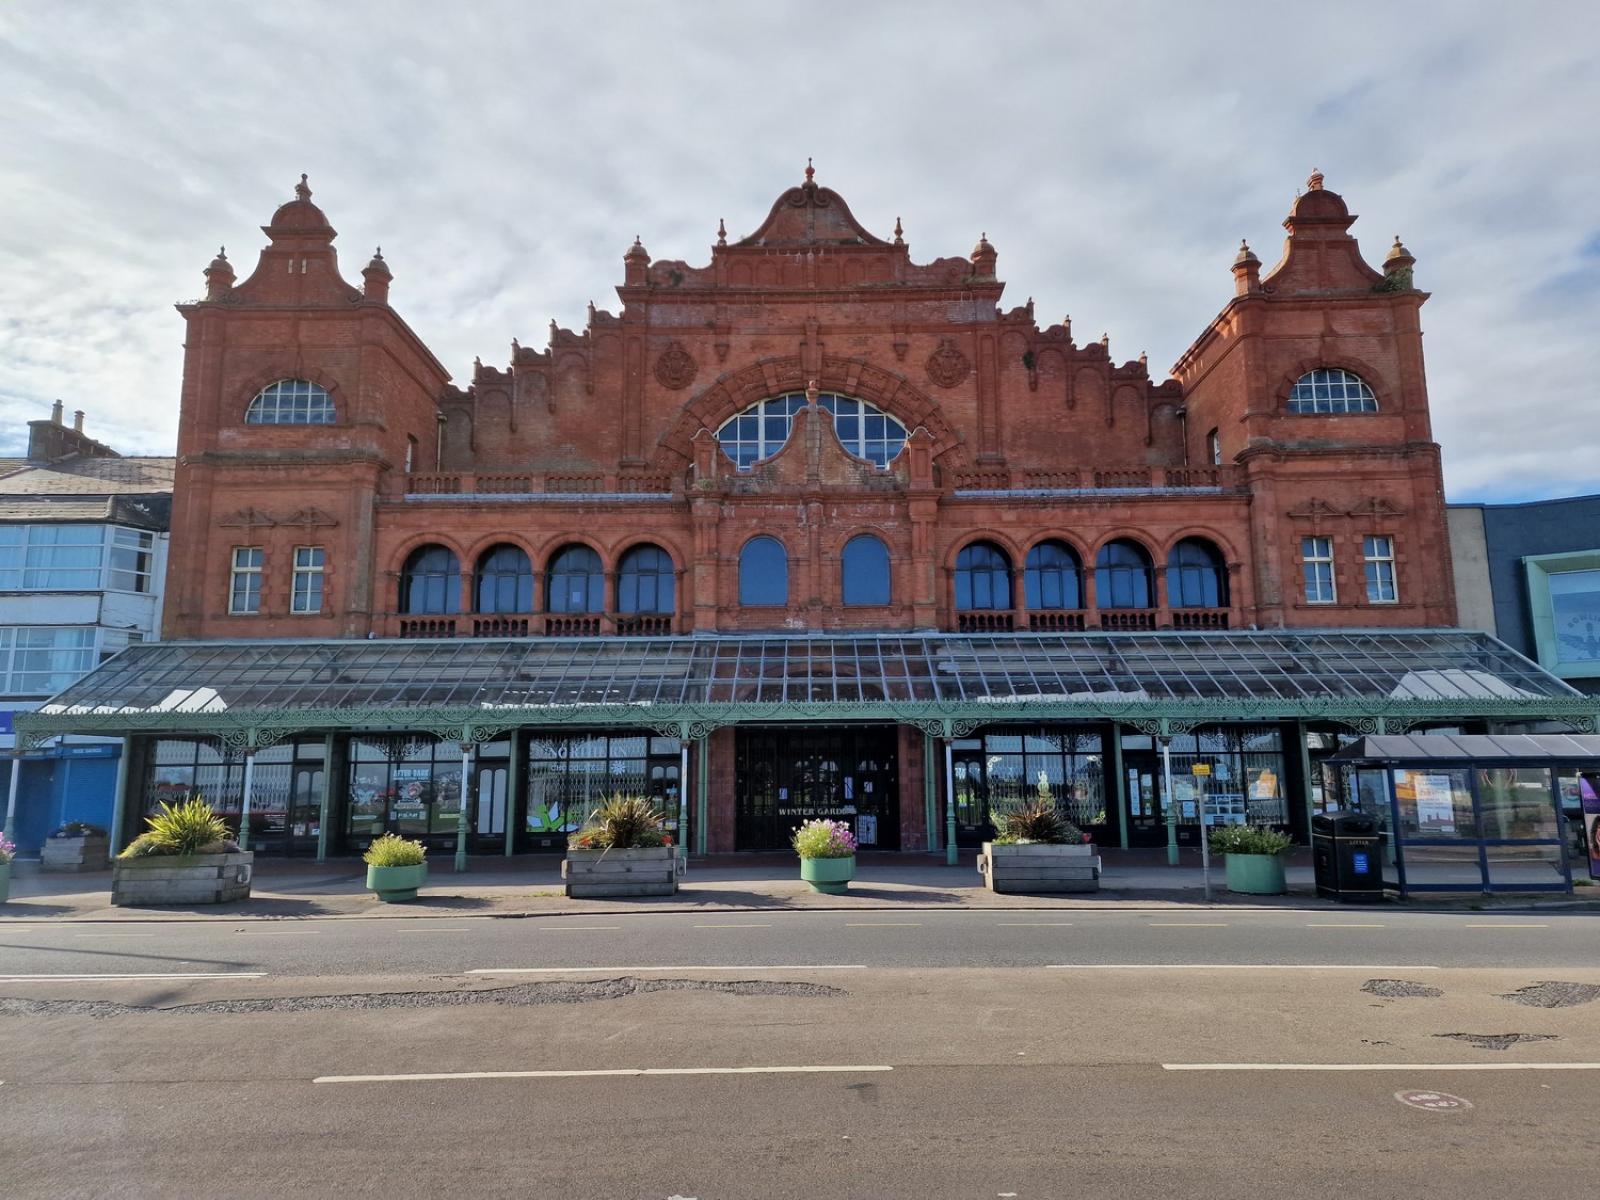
(1040, 868)
(189, 879)
(90, 852)
(597, 874)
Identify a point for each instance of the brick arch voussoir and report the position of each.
(1139, 537)
(1008, 544)
(1222, 544)
(489, 541)
(405, 549)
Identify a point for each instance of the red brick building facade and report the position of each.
(333, 483)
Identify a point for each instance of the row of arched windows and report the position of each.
(574, 579)
(503, 581)
(1124, 577)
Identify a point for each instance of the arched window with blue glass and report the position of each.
(983, 578)
(430, 582)
(1123, 576)
(291, 402)
(763, 572)
(1196, 576)
(575, 582)
(1052, 577)
(1331, 391)
(504, 580)
(645, 581)
(864, 570)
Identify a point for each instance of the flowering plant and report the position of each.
(824, 839)
(8, 849)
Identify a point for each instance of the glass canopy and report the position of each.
(710, 681)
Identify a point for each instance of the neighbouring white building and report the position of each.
(83, 561)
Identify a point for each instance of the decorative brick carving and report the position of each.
(676, 368)
(947, 366)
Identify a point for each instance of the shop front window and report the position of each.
(407, 786)
(568, 776)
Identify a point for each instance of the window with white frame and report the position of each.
(1331, 390)
(1316, 558)
(244, 588)
(76, 558)
(1214, 448)
(291, 402)
(309, 562)
(761, 430)
(42, 660)
(1377, 554)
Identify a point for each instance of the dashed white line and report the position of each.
(622, 1072)
(1236, 967)
(1458, 1066)
(598, 970)
(100, 978)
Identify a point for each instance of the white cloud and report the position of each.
(505, 155)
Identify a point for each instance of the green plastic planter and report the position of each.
(1256, 874)
(830, 875)
(5, 882)
(397, 883)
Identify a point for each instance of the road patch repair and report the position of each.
(1400, 989)
(1554, 994)
(564, 991)
(1497, 1041)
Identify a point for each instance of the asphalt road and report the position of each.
(1547, 937)
(942, 1055)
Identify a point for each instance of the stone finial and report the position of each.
(1144, 359)
(302, 190)
(219, 275)
(1105, 342)
(899, 234)
(1398, 258)
(1246, 256)
(1314, 184)
(722, 232)
(810, 170)
(1246, 270)
(637, 250)
(376, 276)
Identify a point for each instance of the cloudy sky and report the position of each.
(504, 155)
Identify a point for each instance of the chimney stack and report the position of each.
(55, 413)
(77, 420)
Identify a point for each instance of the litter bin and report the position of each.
(1347, 857)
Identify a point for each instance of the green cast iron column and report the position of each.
(1305, 774)
(514, 792)
(461, 809)
(702, 769)
(1168, 805)
(119, 801)
(949, 800)
(326, 799)
(1119, 781)
(930, 793)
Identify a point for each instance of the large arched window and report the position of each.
(505, 580)
(763, 572)
(761, 430)
(864, 570)
(1331, 390)
(575, 582)
(1123, 577)
(431, 581)
(983, 578)
(644, 581)
(1196, 576)
(291, 402)
(1051, 577)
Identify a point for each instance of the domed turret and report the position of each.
(1246, 270)
(299, 218)
(219, 275)
(636, 263)
(983, 258)
(377, 277)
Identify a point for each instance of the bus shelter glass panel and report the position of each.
(1521, 827)
(1436, 826)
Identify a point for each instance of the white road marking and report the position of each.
(1233, 967)
(625, 1072)
(97, 978)
(1458, 1066)
(596, 970)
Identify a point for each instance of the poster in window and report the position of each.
(1435, 803)
(866, 830)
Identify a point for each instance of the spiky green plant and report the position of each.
(1035, 820)
(392, 850)
(622, 823)
(189, 827)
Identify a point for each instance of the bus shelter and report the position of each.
(1474, 813)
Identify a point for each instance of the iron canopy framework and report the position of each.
(254, 693)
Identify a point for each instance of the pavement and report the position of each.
(530, 885)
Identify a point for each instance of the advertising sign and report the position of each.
(1591, 824)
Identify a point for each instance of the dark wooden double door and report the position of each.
(784, 776)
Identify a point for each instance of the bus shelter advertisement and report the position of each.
(1591, 825)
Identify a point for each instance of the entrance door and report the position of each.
(489, 808)
(1147, 817)
(305, 810)
(784, 777)
(973, 826)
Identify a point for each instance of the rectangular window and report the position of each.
(244, 591)
(129, 563)
(1378, 555)
(42, 661)
(1316, 556)
(308, 569)
(1214, 447)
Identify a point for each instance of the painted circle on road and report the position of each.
(1434, 1101)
